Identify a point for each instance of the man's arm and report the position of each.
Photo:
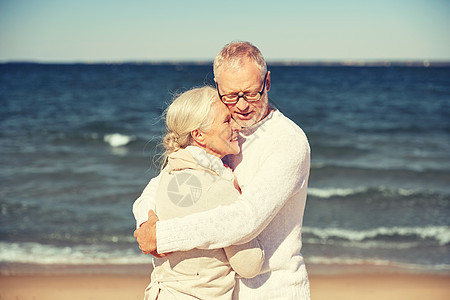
(284, 171)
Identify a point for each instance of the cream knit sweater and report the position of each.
(273, 170)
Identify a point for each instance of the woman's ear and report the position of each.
(197, 136)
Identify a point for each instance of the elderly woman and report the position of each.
(200, 132)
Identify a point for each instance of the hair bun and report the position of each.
(170, 142)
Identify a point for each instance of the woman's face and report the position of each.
(221, 138)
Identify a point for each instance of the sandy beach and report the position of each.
(339, 285)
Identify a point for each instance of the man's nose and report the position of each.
(242, 104)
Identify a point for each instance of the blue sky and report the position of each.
(147, 30)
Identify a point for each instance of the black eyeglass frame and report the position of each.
(242, 94)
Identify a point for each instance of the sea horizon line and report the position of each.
(319, 63)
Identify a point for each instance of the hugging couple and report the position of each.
(223, 219)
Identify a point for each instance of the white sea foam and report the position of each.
(80, 255)
(34, 253)
(345, 260)
(343, 192)
(118, 140)
(331, 192)
(439, 233)
(375, 262)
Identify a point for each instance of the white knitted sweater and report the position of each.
(272, 170)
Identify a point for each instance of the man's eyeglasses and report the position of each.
(248, 96)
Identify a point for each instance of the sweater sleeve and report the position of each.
(283, 171)
(146, 201)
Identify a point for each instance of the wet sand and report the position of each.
(120, 287)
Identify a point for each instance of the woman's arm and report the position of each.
(246, 259)
(146, 201)
(283, 172)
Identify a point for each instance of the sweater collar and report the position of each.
(193, 157)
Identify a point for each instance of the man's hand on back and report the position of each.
(146, 235)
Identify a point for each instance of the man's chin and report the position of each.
(244, 121)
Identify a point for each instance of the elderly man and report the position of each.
(272, 170)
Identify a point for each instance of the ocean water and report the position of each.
(78, 143)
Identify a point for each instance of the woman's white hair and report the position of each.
(191, 110)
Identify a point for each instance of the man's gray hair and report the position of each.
(234, 54)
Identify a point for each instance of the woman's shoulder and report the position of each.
(221, 192)
(188, 191)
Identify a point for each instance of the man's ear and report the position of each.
(268, 81)
(197, 136)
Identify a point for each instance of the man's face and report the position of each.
(246, 79)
